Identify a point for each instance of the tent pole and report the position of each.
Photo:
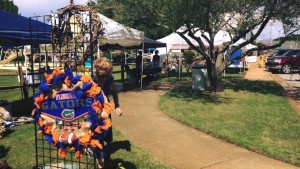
(1, 53)
(142, 72)
(25, 62)
(179, 63)
(224, 59)
(98, 51)
(167, 64)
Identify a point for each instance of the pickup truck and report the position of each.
(285, 63)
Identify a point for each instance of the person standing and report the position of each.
(108, 56)
(103, 77)
(138, 65)
(139, 60)
(156, 59)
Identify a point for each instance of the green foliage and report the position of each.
(259, 45)
(238, 17)
(138, 14)
(189, 56)
(9, 6)
(105, 7)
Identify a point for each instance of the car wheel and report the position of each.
(286, 68)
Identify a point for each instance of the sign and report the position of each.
(66, 106)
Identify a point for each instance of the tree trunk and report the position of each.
(215, 79)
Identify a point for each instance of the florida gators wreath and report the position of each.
(64, 97)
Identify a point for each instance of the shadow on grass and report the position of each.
(114, 147)
(188, 94)
(150, 81)
(22, 107)
(264, 87)
(117, 145)
(7, 132)
(118, 163)
(3, 151)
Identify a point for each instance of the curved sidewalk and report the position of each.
(178, 145)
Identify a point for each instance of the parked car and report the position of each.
(23, 120)
(285, 63)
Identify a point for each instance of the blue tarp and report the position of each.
(17, 30)
(236, 56)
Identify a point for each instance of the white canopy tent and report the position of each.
(221, 37)
(250, 46)
(175, 39)
(118, 34)
(251, 58)
(247, 47)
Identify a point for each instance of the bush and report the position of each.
(189, 56)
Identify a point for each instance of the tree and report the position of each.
(138, 14)
(105, 7)
(201, 20)
(9, 6)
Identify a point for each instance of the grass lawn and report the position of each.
(18, 144)
(18, 148)
(252, 114)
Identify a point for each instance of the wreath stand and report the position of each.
(74, 33)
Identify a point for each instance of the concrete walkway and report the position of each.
(256, 73)
(178, 145)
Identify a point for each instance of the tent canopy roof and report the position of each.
(179, 46)
(118, 34)
(149, 43)
(15, 30)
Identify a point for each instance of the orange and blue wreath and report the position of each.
(65, 97)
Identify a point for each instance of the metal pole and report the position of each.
(142, 71)
(179, 63)
(167, 63)
(1, 53)
(271, 33)
(179, 67)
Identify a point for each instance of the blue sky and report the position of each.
(29, 8)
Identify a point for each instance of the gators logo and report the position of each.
(68, 113)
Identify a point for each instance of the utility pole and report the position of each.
(271, 33)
